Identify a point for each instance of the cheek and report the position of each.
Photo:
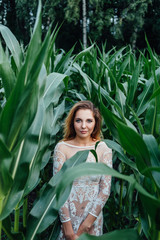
(92, 127)
(75, 126)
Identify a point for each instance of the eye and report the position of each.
(78, 120)
(89, 120)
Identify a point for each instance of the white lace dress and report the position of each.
(88, 194)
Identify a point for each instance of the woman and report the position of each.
(82, 212)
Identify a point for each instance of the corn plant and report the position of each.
(27, 120)
(40, 83)
(127, 91)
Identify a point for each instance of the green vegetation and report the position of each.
(38, 85)
(119, 22)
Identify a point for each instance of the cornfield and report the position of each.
(39, 84)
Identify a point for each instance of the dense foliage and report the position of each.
(120, 22)
(39, 85)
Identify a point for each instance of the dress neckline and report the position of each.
(71, 145)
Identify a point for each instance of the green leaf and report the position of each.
(83, 53)
(5, 176)
(154, 155)
(143, 98)
(21, 162)
(132, 85)
(35, 42)
(87, 169)
(15, 111)
(156, 93)
(43, 143)
(6, 73)
(125, 234)
(87, 86)
(54, 88)
(137, 120)
(63, 65)
(120, 152)
(46, 208)
(12, 44)
(123, 67)
(120, 99)
(110, 120)
(134, 145)
(150, 119)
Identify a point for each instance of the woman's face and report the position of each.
(84, 123)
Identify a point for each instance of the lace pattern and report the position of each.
(88, 194)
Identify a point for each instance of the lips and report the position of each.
(83, 132)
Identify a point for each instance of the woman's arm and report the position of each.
(104, 192)
(104, 184)
(86, 225)
(58, 161)
(68, 231)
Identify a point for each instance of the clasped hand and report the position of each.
(86, 225)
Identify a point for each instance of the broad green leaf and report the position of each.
(144, 220)
(120, 99)
(83, 53)
(80, 96)
(134, 145)
(125, 234)
(64, 63)
(120, 152)
(26, 102)
(143, 98)
(43, 143)
(21, 161)
(6, 73)
(154, 155)
(132, 85)
(88, 86)
(57, 114)
(110, 100)
(15, 193)
(156, 93)
(150, 119)
(12, 44)
(123, 67)
(110, 120)
(13, 115)
(55, 230)
(45, 210)
(54, 88)
(137, 120)
(50, 50)
(35, 42)
(87, 169)
(112, 75)
(114, 57)
(5, 176)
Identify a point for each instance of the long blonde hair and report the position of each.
(69, 131)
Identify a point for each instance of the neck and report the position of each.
(83, 142)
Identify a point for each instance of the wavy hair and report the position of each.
(69, 131)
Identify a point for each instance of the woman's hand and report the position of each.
(86, 225)
(68, 231)
(71, 237)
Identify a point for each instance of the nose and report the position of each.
(83, 124)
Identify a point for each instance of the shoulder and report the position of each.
(102, 146)
(60, 149)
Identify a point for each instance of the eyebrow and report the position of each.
(86, 119)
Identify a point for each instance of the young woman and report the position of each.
(82, 212)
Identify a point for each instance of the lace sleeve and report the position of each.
(104, 185)
(58, 161)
